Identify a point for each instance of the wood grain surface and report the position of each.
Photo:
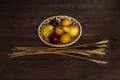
(19, 21)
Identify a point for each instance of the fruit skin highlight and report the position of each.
(71, 30)
(65, 38)
(46, 30)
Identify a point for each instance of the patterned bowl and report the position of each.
(59, 18)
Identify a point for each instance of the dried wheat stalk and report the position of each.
(100, 49)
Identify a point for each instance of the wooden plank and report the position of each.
(19, 21)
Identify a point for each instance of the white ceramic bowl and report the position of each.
(59, 18)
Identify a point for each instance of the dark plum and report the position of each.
(54, 38)
(54, 22)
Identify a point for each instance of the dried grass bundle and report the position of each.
(94, 52)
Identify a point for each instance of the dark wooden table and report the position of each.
(19, 21)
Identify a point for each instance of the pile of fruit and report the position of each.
(60, 31)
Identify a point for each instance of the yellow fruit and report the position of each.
(71, 30)
(59, 31)
(65, 38)
(46, 30)
(66, 22)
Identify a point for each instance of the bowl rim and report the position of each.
(62, 45)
